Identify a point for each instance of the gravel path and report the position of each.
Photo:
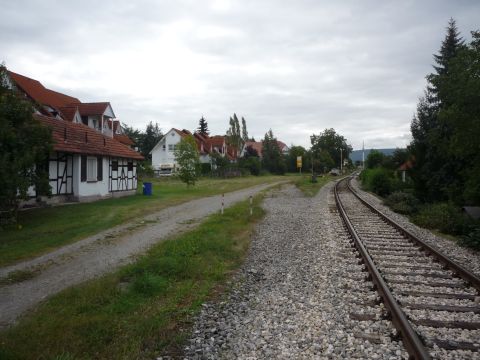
(104, 252)
(468, 258)
(300, 294)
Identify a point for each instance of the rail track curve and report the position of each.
(433, 302)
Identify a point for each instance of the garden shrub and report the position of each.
(444, 217)
(378, 180)
(402, 202)
(472, 239)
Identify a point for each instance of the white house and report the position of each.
(163, 158)
(91, 158)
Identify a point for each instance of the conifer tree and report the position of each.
(203, 126)
(432, 172)
(244, 130)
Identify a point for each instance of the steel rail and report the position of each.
(452, 265)
(410, 338)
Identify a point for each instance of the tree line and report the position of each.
(446, 127)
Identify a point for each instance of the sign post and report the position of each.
(299, 164)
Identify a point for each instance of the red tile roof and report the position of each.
(257, 145)
(68, 112)
(124, 139)
(80, 139)
(95, 108)
(37, 92)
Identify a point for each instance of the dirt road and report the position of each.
(104, 252)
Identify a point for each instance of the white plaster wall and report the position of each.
(160, 156)
(94, 188)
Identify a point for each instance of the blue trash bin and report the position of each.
(147, 188)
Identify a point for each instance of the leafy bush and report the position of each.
(205, 168)
(444, 217)
(472, 239)
(402, 202)
(378, 180)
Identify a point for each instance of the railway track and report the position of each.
(433, 302)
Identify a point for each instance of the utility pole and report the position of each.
(341, 161)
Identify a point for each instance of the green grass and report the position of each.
(43, 230)
(144, 309)
(309, 188)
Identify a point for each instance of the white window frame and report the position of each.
(91, 168)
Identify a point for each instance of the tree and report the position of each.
(25, 144)
(294, 152)
(234, 138)
(203, 126)
(133, 134)
(188, 160)
(331, 143)
(149, 139)
(250, 152)
(435, 167)
(272, 157)
(244, 131)
(374, 159)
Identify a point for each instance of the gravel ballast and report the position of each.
(300, 294)
(468, 258)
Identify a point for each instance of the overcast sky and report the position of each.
(296, 67)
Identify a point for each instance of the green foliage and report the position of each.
(25, 144)
(374, 159)
(234, 137)
(472, 239)
(402, 202)
(252, 164)
(148, 139)
(205, 168)
(292, 158)
(444, 217)
(145, 170)
(203, 126)
(188, 160)
(379, 180)
(446, 127)
(330, 149)
(244, 130)
(272, 160)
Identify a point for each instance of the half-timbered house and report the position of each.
(91, 157)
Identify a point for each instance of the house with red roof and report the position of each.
(91, 156)
(258, 147)
(163, 158)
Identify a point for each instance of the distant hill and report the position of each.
(356, 155)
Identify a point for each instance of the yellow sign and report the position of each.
(299, 162)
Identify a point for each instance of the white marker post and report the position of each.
(251, 205)
(223, 202)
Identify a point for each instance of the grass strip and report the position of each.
(144, 309)
(46, 229)
(309, 188)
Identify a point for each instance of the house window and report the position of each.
(115, 165)
(91, 168)
(163, 147)
(171, 147)
(130, 166)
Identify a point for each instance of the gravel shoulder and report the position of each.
(104, 252)
(468, 258)
(299, 295)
